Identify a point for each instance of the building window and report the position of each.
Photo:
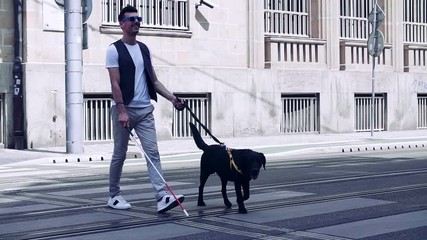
(422, 111)
(293, 34)
(98, 125)
(300, 113)
(354, 18)
(415, 21)
(286, 17)
(200, 105)
(363, 112)
(158, 14)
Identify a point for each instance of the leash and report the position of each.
(232, 162)
(202, 125)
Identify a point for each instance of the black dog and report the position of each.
(237, 165)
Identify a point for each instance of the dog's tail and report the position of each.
(197, 138)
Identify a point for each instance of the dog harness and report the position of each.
(232, 162)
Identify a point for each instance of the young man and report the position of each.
(133, 85)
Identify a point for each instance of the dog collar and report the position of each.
(232, 162)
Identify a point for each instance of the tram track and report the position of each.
(209, 212)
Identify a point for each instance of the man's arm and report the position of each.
(117, 95)
(161, 89)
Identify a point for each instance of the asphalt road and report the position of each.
(360, 195)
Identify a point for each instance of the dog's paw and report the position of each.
(228, 204)
(243, 210)
(201, 204)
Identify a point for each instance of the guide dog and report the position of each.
(236, 165)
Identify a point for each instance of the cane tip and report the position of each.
(186, 213)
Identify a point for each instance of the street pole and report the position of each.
(73, 76)
(373, 97)
(373, 75)
(375, 47)
(18, 81)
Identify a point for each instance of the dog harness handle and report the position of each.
(232, 162)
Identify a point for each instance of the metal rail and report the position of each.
(75, 231)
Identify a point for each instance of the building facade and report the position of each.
(246, 67)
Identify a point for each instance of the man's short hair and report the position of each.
(127, 9)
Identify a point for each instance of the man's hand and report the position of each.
(179, 104)
(123, 115)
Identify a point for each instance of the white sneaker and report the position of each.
(168, 202)
(118, 202)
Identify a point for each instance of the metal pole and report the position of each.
(373, 97)
(18, 81)
(373, 72)
(73, 76)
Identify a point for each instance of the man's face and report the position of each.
(131, 23)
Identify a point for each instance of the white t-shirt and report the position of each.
(141, 97)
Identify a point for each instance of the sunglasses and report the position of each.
(132, 19)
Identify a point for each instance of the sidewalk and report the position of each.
(271, 146)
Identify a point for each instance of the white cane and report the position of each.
(164, 181)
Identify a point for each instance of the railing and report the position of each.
(282, 52)
(200, 106)
(300, 113)
(415, 57)
(288, 18)
(97, 120)
(354, 55)
(363, 112)
(161, 14)
(2, 121)
(422, 112)
(415, 32)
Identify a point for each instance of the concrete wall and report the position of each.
(223, 54)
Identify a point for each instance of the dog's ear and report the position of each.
(263, 160)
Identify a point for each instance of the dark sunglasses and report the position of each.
(132, 19)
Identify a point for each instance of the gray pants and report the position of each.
(142, 120)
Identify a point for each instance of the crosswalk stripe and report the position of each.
(29, 173)
(7, 170)
(376, 226)
(309, 210)
(105, 189)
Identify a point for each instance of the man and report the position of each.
(133, 85)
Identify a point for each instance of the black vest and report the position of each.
(127, 71)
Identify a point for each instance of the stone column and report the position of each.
(256, 34)
(397, 32)
(331, 23)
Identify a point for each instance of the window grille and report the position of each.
(415, 21)
(422, 111)
(98, 124)
(354, 18)
(2, 121)
(162, 14)
(286, 17)
(200, 105)
(363, 112)
(300, 113)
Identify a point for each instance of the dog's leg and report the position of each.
(203, 179)
(239, 197)
(224, 192)
(246, 192)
